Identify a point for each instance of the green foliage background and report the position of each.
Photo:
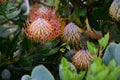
(20, 55)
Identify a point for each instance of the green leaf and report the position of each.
(3, 61)
(114, 70)
(47, 45)
(98, 71)
(43, 51)
(112, 64)
(24, 62)
(27, 45)
(68, 75)
(98, 13)
(6, 31)
(75, 16)
(94, 68)
(80, 76)
(92, 48)
(107, 4)
(66, 71)
(51, 52)
(64, 63)
(13, 14)
(12, 46)
(9, 16)
(49, 48)
(64, 10)
(83, 12)
(55, 42)
(68, 47)
(114, 74)
(91, 77)
(102, 74)
(45, 48)
(115, 34)
(57, 4)
(50, 2)
(63, 44)
(104, 41)
(51, 44)
(62, 50)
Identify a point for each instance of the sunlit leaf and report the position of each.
(68, 47)
(92, 48)
(104, 41)
(62, 50)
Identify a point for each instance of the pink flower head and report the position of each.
(45, 24)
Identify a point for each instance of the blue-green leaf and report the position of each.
(41, 73)
(109, 53)
(26, 77)
(117, 54)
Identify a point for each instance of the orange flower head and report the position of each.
(45, 24)
(82, 59)
(41, 30)
(71, 34)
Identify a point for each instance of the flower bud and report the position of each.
(82, 59)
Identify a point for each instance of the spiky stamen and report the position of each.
(41, 30)
(43, 24)
(71, 34)
(82, 59)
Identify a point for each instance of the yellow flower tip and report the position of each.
(82, 59)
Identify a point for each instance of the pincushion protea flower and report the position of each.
(82, 59)
(71, 34)
(47, 13)
(45, 24)
(41, 30)
(114, 10)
